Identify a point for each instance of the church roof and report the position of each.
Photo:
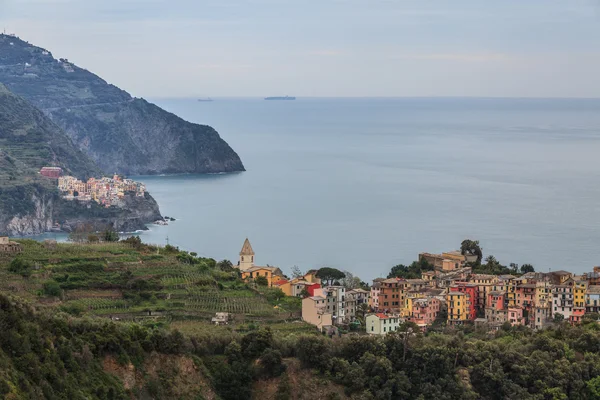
(247, 249)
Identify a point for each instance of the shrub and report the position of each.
(21, 267)
(52, 288)
(271, 363)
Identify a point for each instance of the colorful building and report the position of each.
(472, 292)
(592, 299)
(562, 300)
(314, 311)
(375, 292)
(382, 324)
(458, 308)
(425, 311)
(51, 172)
(391, 294)
(579, 291)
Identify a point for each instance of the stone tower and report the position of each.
(246, 256)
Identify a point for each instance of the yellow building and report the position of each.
(543, 293)
(251, 271)
(485, 283)
(458, 311)
(579, 291)
(272, 274)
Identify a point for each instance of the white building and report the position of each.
(562, 300)
(335, 300)
(382, 324)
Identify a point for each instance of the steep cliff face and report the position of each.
(133, 215)
(139, 138)
(29, 203)
(120, 133)
(34, 209)
(35, 205)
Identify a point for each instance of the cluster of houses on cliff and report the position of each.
(105, 191)
(451, 293)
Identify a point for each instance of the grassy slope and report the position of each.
(117, 279)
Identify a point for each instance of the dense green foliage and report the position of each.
(413, 271)
(470, 247)
(56, 357)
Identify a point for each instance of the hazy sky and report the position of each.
(532, 48)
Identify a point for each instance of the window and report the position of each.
(384, 328)
(372, 328)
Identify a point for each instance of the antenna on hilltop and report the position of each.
(167, 240)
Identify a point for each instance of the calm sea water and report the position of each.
(364, 184)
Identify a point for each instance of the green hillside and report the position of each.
(30, 141)
(131, 321)
(133, 281)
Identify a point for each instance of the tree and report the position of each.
(349, 281)
(471, 248)
(225, 265)
(256, 342)
(261, 281)
(330, 275)
(271, 363)
(413, 271)
(81, 233)
(558, 318)
(134, 241)
(52, 288)
(525, 268)
(297, 272)
(21, 267)
(109, 235)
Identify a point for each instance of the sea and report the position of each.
(363, 184)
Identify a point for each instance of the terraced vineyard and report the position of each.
(98, 306)
(212, 301)
(135, 283)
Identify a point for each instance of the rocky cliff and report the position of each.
(29, 203)
(120, 133)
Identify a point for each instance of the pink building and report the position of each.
(425, 311)
(515, 316)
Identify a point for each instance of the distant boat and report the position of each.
(280, 98)
(206, 99)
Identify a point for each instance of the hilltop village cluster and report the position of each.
(450, 293)
(105, 191)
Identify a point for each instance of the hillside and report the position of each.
(131, 321)
(29, 203)
(120, 133)
(30, 141)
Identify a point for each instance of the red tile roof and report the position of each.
(382, 316)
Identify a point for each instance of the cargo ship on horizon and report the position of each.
(280, 98)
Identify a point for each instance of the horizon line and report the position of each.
(251, 97)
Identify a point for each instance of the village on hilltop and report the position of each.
(450, 293)
(105, 191)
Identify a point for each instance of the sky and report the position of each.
(330, 48)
